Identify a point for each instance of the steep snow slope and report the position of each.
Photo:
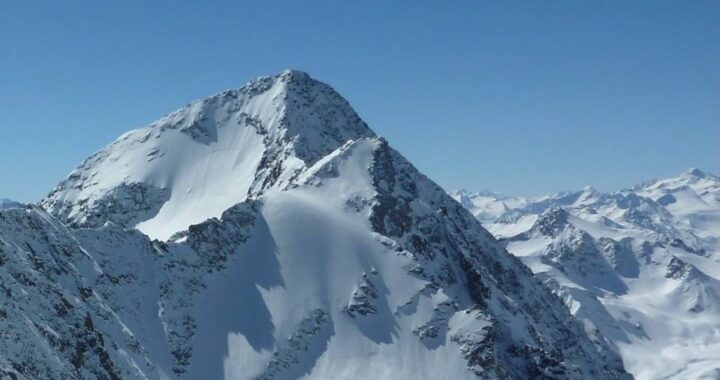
(198, 161)
(642, 266)
(338, 259)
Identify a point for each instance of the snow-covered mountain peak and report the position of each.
(699, 180)
(693, 196)
(314, 117)
(209, 155)
(694, 173)
(551, 222)
(286, 241)
(289, 108)
(694, 178)
(587, 195)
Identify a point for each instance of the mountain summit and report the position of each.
(213, 153)
(267, 233)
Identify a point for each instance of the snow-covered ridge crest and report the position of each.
(198, 161)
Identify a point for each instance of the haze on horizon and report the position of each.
(517, 98)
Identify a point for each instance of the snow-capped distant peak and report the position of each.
(689, 177)
(693, 173)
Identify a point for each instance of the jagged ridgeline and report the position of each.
(640, 266)
(268, 233)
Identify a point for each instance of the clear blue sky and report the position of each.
(518, 97)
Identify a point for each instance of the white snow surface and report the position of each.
(640, 266)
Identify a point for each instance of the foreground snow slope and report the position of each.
(641, 266)
(333, 258)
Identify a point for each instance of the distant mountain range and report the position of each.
(7, 203)
(640, 267)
